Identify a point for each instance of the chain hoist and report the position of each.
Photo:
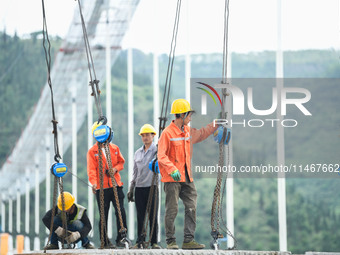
(101, 200)
(58, 169)
(152, 199)
(103, 134)
(153, 165)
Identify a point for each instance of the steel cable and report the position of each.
(57, 157)
(162, 123)
(217, 204)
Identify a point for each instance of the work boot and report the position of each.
(121, 243)
(172, 246)
(138, 246)
(88, 246)
(155, 246)
(192, 245)
(51, 246)
(110, 245)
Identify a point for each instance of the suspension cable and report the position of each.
(154, 193)
(47, 51)
(93, 78)
(103, 144)
(225, 42)
(224, 91)
(217, 204)
(57, 157)
(166, 95)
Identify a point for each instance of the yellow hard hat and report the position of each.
(147, 128)
(68, 199)
(180, 106)
(95, 125)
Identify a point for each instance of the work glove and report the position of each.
(60, 232)
(176, 175)
(130, 194)
(156, 168)
(74, 236)
(218, 135)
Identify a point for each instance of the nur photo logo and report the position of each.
(204, 96)
(294, 98)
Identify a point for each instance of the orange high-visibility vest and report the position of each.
(93, 165)
(175, 149)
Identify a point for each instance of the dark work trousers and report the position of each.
(186, 191)
(141, 201)
(108, 198)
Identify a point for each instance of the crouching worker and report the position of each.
(78, 224)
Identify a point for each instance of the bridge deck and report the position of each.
(157, 252)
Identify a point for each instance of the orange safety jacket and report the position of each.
(93, 166)
(175, 147)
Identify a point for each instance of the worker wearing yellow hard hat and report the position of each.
(141, 183)
(180, 106)
(68, 201)
(174, 160)
(117, 161)
(147, 129)
(78, 224)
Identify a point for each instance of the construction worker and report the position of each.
(117, 161)
(78, 224)
(141, 183)
(174, 156)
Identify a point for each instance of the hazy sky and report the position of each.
(307, 24)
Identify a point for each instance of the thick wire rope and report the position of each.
(166, 95)
(225, 42)
(93, 78)
(47, 51)
(152, 199)
(57, 156)
(96, 94)
(153, 193)
(224, 225)
(217, 205)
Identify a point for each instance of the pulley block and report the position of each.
(59, 169)
(103, 134)
(153, 166)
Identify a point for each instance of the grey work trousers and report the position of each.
(187, 192)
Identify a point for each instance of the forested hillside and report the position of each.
(22, 76)
(313, 211)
